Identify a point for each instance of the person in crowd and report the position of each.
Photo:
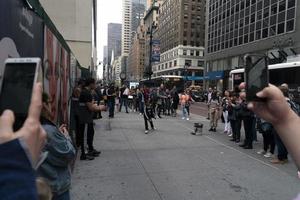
(141, 99)
(285, 121)
(248, 118)
(117, 99)
(111, 95)
(168, 103)
(238, 115)
(209, 93)
(154, 100)
(148, 115)
(75, 124)
(232, 104)
(266, 129)
(87, 107)
(174, 101)
(214, 105)
(98, 90)
(161, 94)
(188, 103)
(124, 93)
(282, 152)
(61, 152)
(225, 105)
(184, 98)
(18, 180)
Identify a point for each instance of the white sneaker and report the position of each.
(268, 155)
(146, 131)
(188, 119)
(261, 152)
(230, 135)
(183, 118)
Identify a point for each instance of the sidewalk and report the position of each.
(172, 164)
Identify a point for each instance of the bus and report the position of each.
(278, 74)
(169, 82)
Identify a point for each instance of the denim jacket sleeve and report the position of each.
(61, 150)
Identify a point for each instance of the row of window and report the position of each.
(252, 36)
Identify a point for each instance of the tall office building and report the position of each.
(114, 38)
(235, 28)
(132, 13)
(137, 14)
(126, 27)
(181, 32)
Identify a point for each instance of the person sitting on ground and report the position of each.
(17, 177)
(61, 152)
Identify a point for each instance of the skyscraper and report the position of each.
(114, 32)
(132, 13)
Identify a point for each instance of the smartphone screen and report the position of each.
(16, 90)
(256, 75)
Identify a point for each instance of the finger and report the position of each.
(268, 92)
(36, 102)
(7, 120)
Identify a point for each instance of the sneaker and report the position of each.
(183, 118)
(211, 129)
(94, 153)
(260, 152)
(277, 161)
(153, 128)
(268, 155)
(86, 157)
(187, 119)
(230, 135)
(146, 131)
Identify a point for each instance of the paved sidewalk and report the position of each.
(172, 164)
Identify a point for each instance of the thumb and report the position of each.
(7, 120)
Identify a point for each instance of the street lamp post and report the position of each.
(185, 67)
(149, 68)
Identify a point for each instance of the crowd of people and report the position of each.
(44, 151)
(234, 111)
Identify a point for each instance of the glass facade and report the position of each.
(237, 22)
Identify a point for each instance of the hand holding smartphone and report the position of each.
(16, 86)
(256, 75)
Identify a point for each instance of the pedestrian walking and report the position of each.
(111, 95)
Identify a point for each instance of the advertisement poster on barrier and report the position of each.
(56, 76)
(155, 51)
(21, 32)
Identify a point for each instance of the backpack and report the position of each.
(294, 106)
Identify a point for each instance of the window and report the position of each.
(200, 63)
(175, 63)
(184, 52)
(265, 33)
(188, 62)
(291, 3)
(280, 28)
(290, 26)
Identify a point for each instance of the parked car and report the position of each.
(198, 96)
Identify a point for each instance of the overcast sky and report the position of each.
(108, 11)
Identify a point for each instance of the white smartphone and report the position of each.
(16, 84)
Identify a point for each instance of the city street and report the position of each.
(172, 164)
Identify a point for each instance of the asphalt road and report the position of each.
(172, 164)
